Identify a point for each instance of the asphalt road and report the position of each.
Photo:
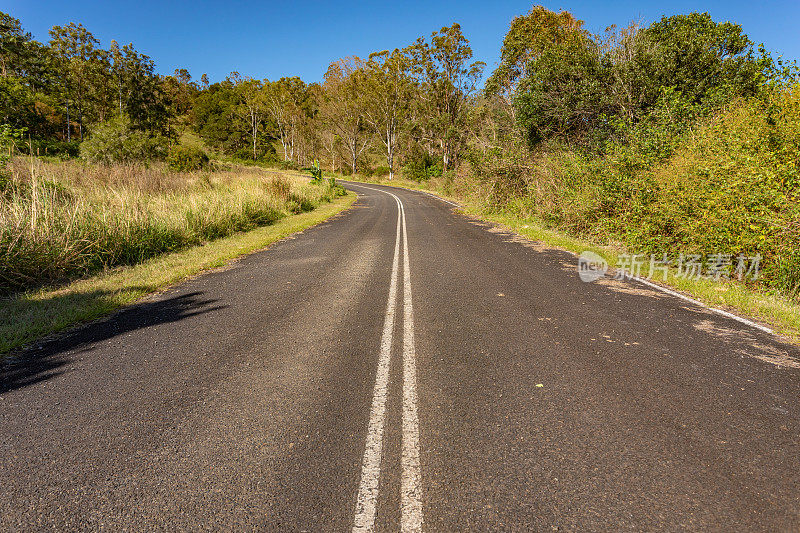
(404, 367)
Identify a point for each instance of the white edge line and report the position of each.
(701, 304)
(721, 312)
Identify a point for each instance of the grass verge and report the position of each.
(27, 317)
(773, 310)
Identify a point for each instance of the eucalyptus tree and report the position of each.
(387, 94)
(343, 108)
(285, 99)
(252, 107)
(447, 82)
(75, 48)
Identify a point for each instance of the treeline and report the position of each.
(408, 106)
(58, 90)
(417, 106)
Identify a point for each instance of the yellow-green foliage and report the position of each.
(63, 220)
(731, 185)
(734, 187)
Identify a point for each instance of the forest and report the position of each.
(680, 136)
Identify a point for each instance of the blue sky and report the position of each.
(274, 39)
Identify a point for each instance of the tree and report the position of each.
(527, 38)
(285, 99)
(74, 46)
(565, 94)
(181, 93)
(252, 106)
(13, 46)
(118, 71)
(343, 107)
(696, 56)
(213, 117)
(332, 144)
(387, 98)
(447, 81)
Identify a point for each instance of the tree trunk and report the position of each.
(69, 127)
(390, 161)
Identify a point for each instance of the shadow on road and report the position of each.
(49, 360)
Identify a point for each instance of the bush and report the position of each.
(186, 159)
(733, 187)
(287, 165)
(422, 167)
(265, 153)
(728, 185)
(380, 171)
(116, 141)
(50, 147)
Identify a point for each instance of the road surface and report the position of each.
(402, 366)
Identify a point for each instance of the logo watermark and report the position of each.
(716, 266)
(591, 266)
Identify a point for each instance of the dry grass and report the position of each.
(60, 221)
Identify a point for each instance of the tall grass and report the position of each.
(60, 221)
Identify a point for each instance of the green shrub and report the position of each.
(421, 166)
(734, 187)
(51, 147)
(730, 185)
(380, 171)
(116, 141)
(186, 159)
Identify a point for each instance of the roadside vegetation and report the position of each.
(64, 220)
(679, 138)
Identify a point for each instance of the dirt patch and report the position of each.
(627, 287)
(771, 354)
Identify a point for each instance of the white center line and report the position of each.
(410, 497)
(411, 516)
(371, 466)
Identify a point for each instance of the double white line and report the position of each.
(410, 493)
